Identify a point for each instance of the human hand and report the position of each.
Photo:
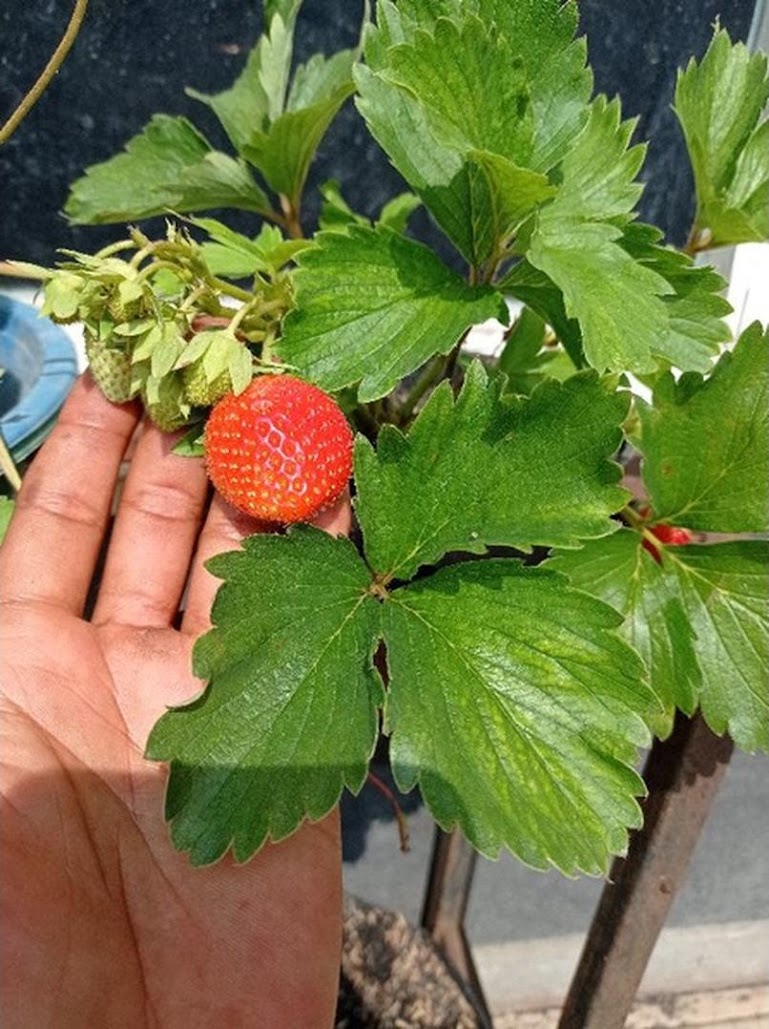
(104, 923)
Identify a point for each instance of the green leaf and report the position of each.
(705, 443)
(290, 715)
(696, 309)
(6, 511)
(479, 471)
(238, 256)
(523, 342)
(619, 571)
(539, 35)
(191, 443)
(535, 289)
(372, 306)
(168, 166)
(447, 69)
(503, 195)
(541, 32)
(286, 9)
(336, 213)
(615, 299)
(258, 96)
(700, 620)
(525, 361)
(719, 103)
(437, 174)
(724, 592)
(62, 295)
(283, 153)
(517, 710)
(396, 212)
(320, 78)
(220, 181)
(462, 146)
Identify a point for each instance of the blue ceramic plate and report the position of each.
(40, 366)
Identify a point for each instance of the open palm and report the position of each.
(104, 924)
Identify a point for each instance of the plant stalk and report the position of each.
(8, 467)
(57, 58)
(14, 272)
(432, 373)
(291, 217)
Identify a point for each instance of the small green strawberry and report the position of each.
(167, 416)
(164, 402)
(126, 302)
(213, 363)
(111, 367)
(280, 451)
(199, 391)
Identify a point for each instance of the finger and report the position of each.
(224, 530)
(157, 524)
(52, 545)
(337, 519)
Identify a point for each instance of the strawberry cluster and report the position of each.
(156, 328)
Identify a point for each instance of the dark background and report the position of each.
(133, 58)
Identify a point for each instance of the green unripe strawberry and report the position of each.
(166, 415)
(164, 401)
(125, 312)
(111, 367)
(199, 391)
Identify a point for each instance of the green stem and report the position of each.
(8, 467)
(190, 300)
(291, 217)
(697, 240)
(115, 248)
(138, 257)
(155, 266)
(639, 524)
(231, 290)
(47, 73)
(15, 272)
(433, 372)
(238, 317)
(633, 518)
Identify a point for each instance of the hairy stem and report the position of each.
(15, 272)
(403, 830)
(231, 290)
(47, 73)
(432, 373)
(291, 217)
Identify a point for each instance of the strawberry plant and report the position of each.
(516, 685)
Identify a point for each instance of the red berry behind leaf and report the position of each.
(280, 451)
(671, 535)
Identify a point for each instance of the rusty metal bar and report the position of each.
(682, 774)
(443, 911)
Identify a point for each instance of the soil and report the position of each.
(393, 977)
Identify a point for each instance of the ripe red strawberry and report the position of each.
(671, 535)
(281, 450)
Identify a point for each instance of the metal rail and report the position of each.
(683, 774)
